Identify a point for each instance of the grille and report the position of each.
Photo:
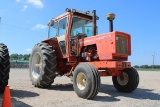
(121, 44)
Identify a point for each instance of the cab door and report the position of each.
(61, 35)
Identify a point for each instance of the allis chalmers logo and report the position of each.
(96, 38)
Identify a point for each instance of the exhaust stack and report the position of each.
(110, 17)
(94, 23)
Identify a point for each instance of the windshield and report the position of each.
(80, 25)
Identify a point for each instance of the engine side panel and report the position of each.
(106, 46)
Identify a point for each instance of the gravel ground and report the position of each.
(61, 93)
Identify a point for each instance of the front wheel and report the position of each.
(127, 82)
(86, 81)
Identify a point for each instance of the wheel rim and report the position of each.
(81, 81)
(36, 65)
(123, 80)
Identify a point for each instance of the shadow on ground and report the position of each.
(19, 94)
(110, 94)
(62, 87)
(139, 93)
(16, 103)
(22, 93)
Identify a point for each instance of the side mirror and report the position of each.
(51, 23)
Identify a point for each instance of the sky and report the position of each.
(24, 23)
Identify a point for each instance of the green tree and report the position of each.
(144, 66)
(26, 56)
(136, 66)
(20, 57)
(14, 56)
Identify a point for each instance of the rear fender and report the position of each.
(54, 43)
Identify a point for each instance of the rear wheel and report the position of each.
(128, 82)
(43, 65)
(4, 66)
(86, 81)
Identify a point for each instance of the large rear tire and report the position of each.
(43, 65)
(86, 81)
(128, 82)
(4, 66)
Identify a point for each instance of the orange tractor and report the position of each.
(74, 49)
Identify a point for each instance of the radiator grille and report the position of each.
(121, 44)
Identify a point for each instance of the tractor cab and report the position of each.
(69, 27)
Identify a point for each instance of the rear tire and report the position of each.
(86, 81)
(4, 66)
(128, 82)
(43, 65)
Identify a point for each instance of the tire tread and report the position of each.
(4, 66)
(49, 65)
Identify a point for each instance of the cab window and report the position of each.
(62, 27)
(53, 30)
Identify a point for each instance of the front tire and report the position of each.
(4, 66)
(128, 82)
(43, 65)
(86, 81)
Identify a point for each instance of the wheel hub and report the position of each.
(81, 81)
(123, 80)
(36, 65)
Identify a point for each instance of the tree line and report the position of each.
(147, 66)
(16, 56)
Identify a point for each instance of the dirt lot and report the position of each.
(61, 93)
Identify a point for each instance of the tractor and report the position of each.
(4, 67)
(74, 49)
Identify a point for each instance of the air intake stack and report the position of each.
(110, 17)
